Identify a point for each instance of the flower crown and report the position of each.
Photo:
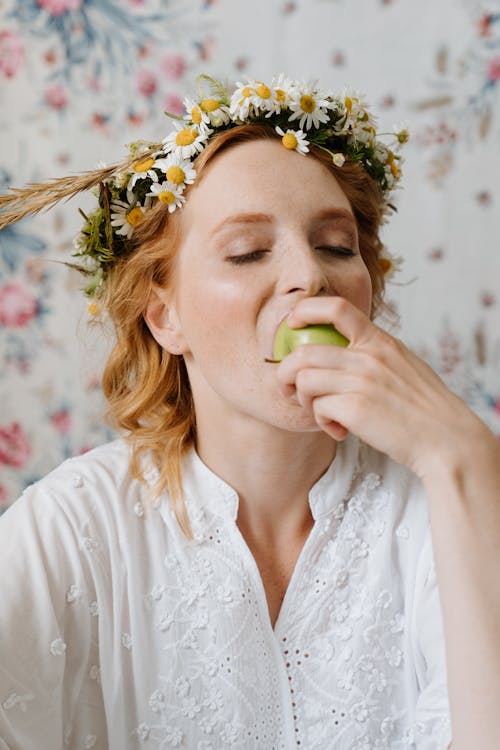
(302, 114)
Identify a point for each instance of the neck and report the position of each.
(274, 478)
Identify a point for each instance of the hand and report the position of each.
(377, 389)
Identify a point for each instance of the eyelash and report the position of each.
(255, 255)
(339, 250)
(239, 260)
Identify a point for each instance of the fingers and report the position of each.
(345, 316)
(313, 383)
(376, 388)
(337, 431)
(313, 356)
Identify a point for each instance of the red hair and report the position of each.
(147, 388)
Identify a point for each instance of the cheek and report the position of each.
(357, 288)
(212, 315)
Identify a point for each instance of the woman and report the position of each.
(282, 592)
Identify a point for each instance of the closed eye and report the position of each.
(255, 255)
(338, 250)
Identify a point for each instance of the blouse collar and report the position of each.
(206, 493)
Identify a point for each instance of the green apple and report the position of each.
(287, 339)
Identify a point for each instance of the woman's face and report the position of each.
(263, 228)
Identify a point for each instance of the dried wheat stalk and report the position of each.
(36, 196)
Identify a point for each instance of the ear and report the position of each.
(162, 320)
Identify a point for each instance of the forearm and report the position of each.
(464, 503)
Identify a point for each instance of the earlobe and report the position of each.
(161, 318)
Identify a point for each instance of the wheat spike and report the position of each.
(36, 196)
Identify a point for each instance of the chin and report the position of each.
(295, 420)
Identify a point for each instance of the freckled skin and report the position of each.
(227, 314)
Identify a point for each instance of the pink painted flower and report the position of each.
(172, 66)
(95, 83)
(173, 104)
(56, 96)
(59, 7)
(18, 306)
(494, 69)
(4, 495)
(484, 25)
(497, 407)
(11, 53)
(83, 449)
(338, 58)
(146, 82)
(15, 448)
(61, 420)
(135, 118)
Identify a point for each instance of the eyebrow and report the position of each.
(340, 215)
(244, 218)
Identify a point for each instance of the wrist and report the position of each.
(467, 453)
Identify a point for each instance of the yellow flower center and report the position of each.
(348, 104)
(144, 165)
(209, 105)
(289, 141)
(392, 163)
(263, 91)
(385, 265)
(196, 115)
(246, 92)
(135, 216)
(280, 95)
(94, 309)
(176, 175)
(185, 137)
(307, 103)
(166, 196)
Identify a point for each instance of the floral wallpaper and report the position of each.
(79, 79)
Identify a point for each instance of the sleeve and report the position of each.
(432, 726)
(50, 697)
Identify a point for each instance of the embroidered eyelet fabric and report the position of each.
(118, 632)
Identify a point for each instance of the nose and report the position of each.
(302, 272)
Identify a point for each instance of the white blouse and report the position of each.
(118, 632)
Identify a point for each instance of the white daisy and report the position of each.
(283, 92)
(310, 105)
(263, 97)
(193, 112)
(214, 112)
(277, 103)
(354, 111)
(124, 217)
(168, 193)
(401, 132)
(363, 133)
(206, 112)
(241, 105)
(142, 169)
(390, 265)
(295, 140)
(392, 169)
(176, 170)
(381, 152)
(185, 142)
